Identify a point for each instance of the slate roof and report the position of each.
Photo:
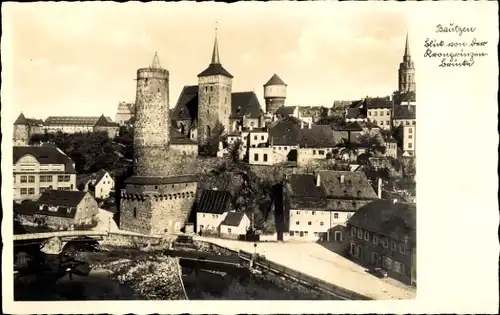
(176, 137)
(215, 69)
(245, 104)
(284, 133)
(187, 104)
(404, 112)
(379, 102)
(74, 120)
(47, 154)
(275, 80)
(318, 136)
(66, 202)
(103, 122)
(285, 111)
(214, 201)
(353, 126)
(304, 185)
(233, 218)
(355, 186)
(22, 120)
(385, 217)
(242, 104)
(354, 112)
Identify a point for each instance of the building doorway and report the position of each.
(338, 236)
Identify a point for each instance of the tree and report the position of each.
(372, 143)
(211, 145)
(397, 134)
(334, 121)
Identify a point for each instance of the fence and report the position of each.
(305, 278)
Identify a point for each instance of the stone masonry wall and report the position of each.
(141, 221)
(124, 239)
(214, 103)
(272, 104)
(171, 213)
(21, 135)
(151, 129)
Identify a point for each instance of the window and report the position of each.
(209, 101)
(305, 233)
(321, 152)
(381, 123)
(291, 233)
(228, 230)
(387, 123)
(225, 100)
(353, 231)
(375, 113)
(397, 267)
(31, 191)
(24, 191)
(402, 269)
(410, 145)
(360, 234)
(256, 157)
(407, 122)
(410, 130)
(413, 123)
(255, 137)
(393, 245)
(301, 233)
(262, 138)
(314, 152)
(375, 239)
(367, 236)
(382, 113)
(410, 136)
(297, 222)
(402, 248)
(135, 212)
(321, 223)
(298, 212)
(63, 178)
(211, 88)
(313, 212)
(285, 148)
(386, 242)
(31, 179)
(265, 157)
(24, 179)
(309, 223)
(335, 215)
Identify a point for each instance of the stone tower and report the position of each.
(406, 78)
(21, 131)
(156, 199)
(274, 94)
(214, 96)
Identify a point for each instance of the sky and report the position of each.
(82, 58)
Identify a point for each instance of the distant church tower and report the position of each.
(406, 77)
(155, 200)
(214, 96)
(274, 94)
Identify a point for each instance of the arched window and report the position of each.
(135, 212)
(208, 131)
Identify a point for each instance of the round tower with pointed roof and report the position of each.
(274, 94)
(152, 124)
(214, 96)
(21, 131)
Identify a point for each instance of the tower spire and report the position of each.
(215, 53)
(407, 46)
(156, 62)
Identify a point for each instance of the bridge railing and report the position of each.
(34, 236)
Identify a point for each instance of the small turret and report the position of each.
(274, 94)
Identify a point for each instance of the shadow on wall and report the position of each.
(119, 185)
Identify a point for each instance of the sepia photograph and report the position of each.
(167, 151)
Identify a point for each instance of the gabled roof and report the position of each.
(187, 104)
(404, 112)
(353, 126)
(285, 111)
(354, 112)
(103, 122)
(275, 80)
(317, 136)
(47, 154)
(245, 104)
(61, 197)
(379, 102)
(395, 220)
(355, 185)
(233, 218)
(73, 120)
(214, 201)
(304, 185)
(176, 137)
(284, 133)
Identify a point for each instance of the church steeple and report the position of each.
(407, 46)
(215, 53)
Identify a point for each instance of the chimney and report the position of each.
(380, 188)
(318, 180)
(341, 179)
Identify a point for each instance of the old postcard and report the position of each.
(194, 157)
